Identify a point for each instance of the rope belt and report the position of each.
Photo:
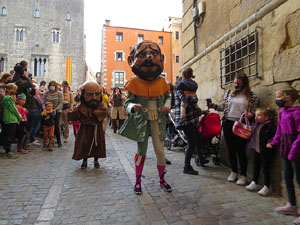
(94, 138)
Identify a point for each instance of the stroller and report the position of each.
(210, 132)
(176, 137)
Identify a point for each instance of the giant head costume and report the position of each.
(146, 60)
(91, 94)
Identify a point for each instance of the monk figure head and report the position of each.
(91, 94)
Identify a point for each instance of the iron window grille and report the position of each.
(239, 57)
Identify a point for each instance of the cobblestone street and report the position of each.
(46, 188)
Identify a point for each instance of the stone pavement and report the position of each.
(44, 188)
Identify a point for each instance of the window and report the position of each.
(2, 64)
(239, 57)
(3, 11)
(119, 79)
(119, 37)
(55, 35)
(177, 35)
(177, 58)
(160, 40)
(40, 66)
(20, 34)
(37, 13)
(140, 38)
(69, 16)
(119, 56)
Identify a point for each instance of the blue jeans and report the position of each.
(289, 169)
(34, 119)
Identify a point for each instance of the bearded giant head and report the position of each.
(146, 60)
(91, 94)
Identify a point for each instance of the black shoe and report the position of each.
(165, 186)
(84, 164)
(190, 170)
(138, 187)
(59, 144)
(168, 162)
(96, 164)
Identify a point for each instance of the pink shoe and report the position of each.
(297, 221)
(287, 210)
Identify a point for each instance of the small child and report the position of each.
(22, 132)
(288, 138)
(188, 87)
(48, 122)
(263, 132)
(11, 118)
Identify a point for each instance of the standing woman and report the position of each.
(56, 98)
(117, 100)
(235, 103)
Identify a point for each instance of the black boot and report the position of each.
(96, 163)
(138, 187)
(84, 164)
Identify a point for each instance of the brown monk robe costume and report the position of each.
(90, 139)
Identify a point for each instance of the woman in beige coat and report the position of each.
(117, 100)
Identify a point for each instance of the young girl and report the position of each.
(263, 132)
(11, 118)
(48, 125)
(288, 138)
(22, 128)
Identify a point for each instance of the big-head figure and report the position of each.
(90, 140)
(147, 103)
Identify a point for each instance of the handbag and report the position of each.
(242, 130)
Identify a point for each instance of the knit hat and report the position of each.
(21, 96)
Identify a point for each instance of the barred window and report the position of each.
(239, 57)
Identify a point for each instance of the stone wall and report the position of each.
(278, 56)
(38, 39)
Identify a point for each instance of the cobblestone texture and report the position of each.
(46, 188)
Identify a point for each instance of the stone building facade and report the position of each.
(258, 37)
(48, 34)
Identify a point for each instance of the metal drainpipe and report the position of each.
(269, 7)
(195, 30)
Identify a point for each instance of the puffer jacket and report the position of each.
(10, 111)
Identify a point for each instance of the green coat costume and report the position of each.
(135, 126)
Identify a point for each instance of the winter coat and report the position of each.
(117, 109)
(266, 134)
(192, 113)
(10, 111)
(288, 133)
(90, 139)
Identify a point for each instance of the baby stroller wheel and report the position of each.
(168, 144)
(217, 161)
